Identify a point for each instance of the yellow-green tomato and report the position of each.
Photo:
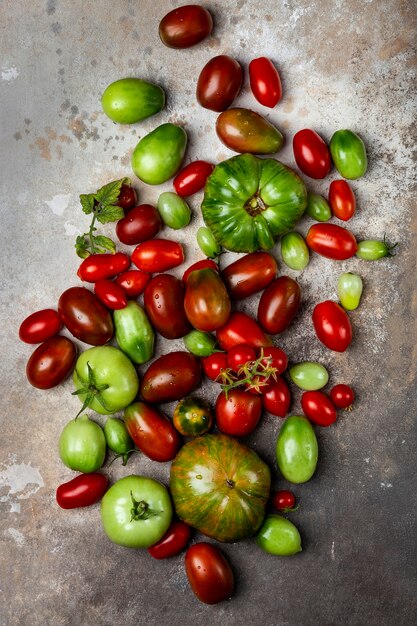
(130, 100)
(372, 249)
(207, 242)
(158, 156)
(349, 290)
(348, 154)
(278, 536)
(309, 375)
(82, 445)
(192, 417)
(294, 251)
(297, 449)
(317, 207)
(174, 210)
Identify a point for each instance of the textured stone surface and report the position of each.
(344, 65)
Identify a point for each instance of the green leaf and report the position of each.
(103, 243)
(109, 213)
(87, 202)
(82, 247)
(109, 194)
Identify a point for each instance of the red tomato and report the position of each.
(311, 153)
(318, 408)
(98, 266)
(171, 377)
(83, 490)
(133, 282)
(239, 355)
(219, 83)
(158, 255)
(142, 223)
(214, 365)
(277, 358)
(111, 294)
(342, 396)
(284, 501)
(237, 414)
(85, 316)
(185, 26)
(331, 241)
(152, 432)
(342, 200)
(192, 178)
(173, 542)
(127, 198)
(40, 326)
(208, 572)
(206, 303)
(249, 274)
(276, 398)
(279, 305)
(51, 362)
(200, 265)
(240, 328)
(164, 304)
(265, 82)
(332, 325)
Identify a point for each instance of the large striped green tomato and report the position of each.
(220, 487)
(249, 201)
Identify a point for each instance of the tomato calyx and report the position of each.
(255, 205)
(92, 390)
(140, 510)
(254, 375)
(124, 455)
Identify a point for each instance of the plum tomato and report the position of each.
(294, 251)
(265, 82)
(130, 100)
(152, 432)
(174, 210)
(185, 26)
(219, 83)
(171, 377)
(200, 265)
(239, 355)
(284, 501)
(342, 200)
(208, 572)
(238, 413)
(214, 365)
(318, 408)
(40, 326)
(83, 490)
(342, 396)
(279, 305)
(85, 316)
(51, 362)
(111, 294)
(276, 397)
(164, 303)
(249, 274)
(372, 249)
(192, 178)
(318, 207)
(127, 198)
(173, 542)
(311, 153)
(206, 303)
(274, 357)
(142, 223)
(332, 325)
(207, 243)
(133, 282)
(158, 255)
(331, 241)
(245, 131)
(241, 328)
(98, 266)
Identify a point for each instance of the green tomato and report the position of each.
(105, 379)
(294, 251)
(309, 376)
(117, 438)
(200, 343)
(136, 511)
(317, 207)
(158, 155)
(208, 244)
(134, 332)
(297, 449)
(372, 249)
(192, 417)
(349, 289)
(82, 445)
(348, 154)
(174, 210)
(278, 536)
(130, 100)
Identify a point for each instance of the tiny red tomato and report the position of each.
(342, 396)
(40, 326)
(331, 241)
(192, 178)
(158, 255)
(274, 357)
(284, 501)
(214, 365)
(200, 265)
(142, 223)
(318, 408)
(239, 355)
(276, 397)
(111, 294)
(173, 542)
(342, 200)
(133, 282)
(51, 362)
(127, 198)
(241, 328)
(98, 266)
(265, 82)
(311, 153)
(238, 413)
(209, 573)
(83, 490)
(332, 325)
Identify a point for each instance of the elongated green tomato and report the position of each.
(134, 332)
(349, 154)
(200, 343)
(158, 155)
(297, 449)
(174, 210)
(318, 207)
(82, 445)
(208, 244)
(294, 251)
(372, 249)
(117, 438)
(309, 375)
(278, 536)
(130, 100)
(349, 290)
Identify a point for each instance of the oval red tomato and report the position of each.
(152, 432)
(206, 303)
(164, 304)
(342, 396)
(331, 241)
(83, 490)
(214, 365)
(185, 26)
(279, 305)
(311, 153)
(265, 81)
(318, 408)
(238, 413)
(140, 224)
(276, 397)
(158, 255)
(173, 542)
(209, 574)
(332, 325)
(241, 328)
(342, 200)
(51, 362)
(110, 294)
(40, 326)
(85, 316)
(219, 83)
(200, 265)
(171, 377)
(192, 178)
(98, 266)
(133, 282)
(249, 274)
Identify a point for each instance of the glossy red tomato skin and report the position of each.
(110, 294)
(219, 83)
(206, 303)
(342, 200)
(164, 303)
(318, 408)
(241, 328)
(171, 377)
(209, 574)
(173, 542)
(192, 178)
(276, 398)
(158, 255)
(200, 265)
(133, 282)
(83, 490)
(331, 241)
(239, 355)
(185, 26)
(283, 500)
(342, 396)
(85, 316)
(40, 326)
(127, 198)
(265, 82)
(214, 364)
(332, 325)
(311, 153)
(238, 414)
(152, 432)
(98, 266)
(277, 358)
(51, 362)
(249, 274)
(140, 224)
(279, 305)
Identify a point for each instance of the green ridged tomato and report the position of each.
(297, 449)
(278, 536)
(174, 210)
(348, 154)
(294, 251)
(158, 155)
(317, 207)
(349, 290)
(130, 100)
(309, 376)
(82, 445)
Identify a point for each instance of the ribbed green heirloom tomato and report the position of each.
(372, 249)
(134, 333)
(82, 445)
(349, 290)
(294, 251)
(174, 210)
(309, 376)
(349, 154)
(297, 449)
(158, 155)
(136, 512)
(278, 536)
(129, 100)
(200, 343)
(318, 207)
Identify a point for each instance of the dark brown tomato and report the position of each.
(279, 304)
(85, 316)
(208, 572)
(185, 26)
(152, 432)
(219, 83)
(140, 224)
(164, 304)
(249, 274)
(207, 303)
(171, 377)
(51, 362)
(243, 130)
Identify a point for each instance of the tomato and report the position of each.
(241, 328)
(349, 154)
(318, 207)
(342, 396)
(284, 501)
(83, 490)
(185, 26)
(243, 130)
(294, 251)
(309, 375)
(349, 290)
(200, 343)
(85, 316)
(279, 305)
(110, 294)
(372, 250)
(239, 355)
(98, 266)
(214, 365)
(82, 445)
(342, 200)
(238, 413)
(249, 274)
(279, 536)
(134, 333)
(265, 82)
(51, 362)
(311, 153)
(332, 326)
(136, 512)
(209, 574)
(118, 438)
(152, 432)
(173, 542)
(40, 326)
(129, 100)
(192, 417)
(297, 449)
(208, 244)
(206, 303)
(200, 265)
(133, 282)
(318, 408)
(164, 304)
(219, 83)
(158, 156)
(127, 198)
(274, 357)
(331, 241)
(171, 377)
(276, 398)
(192, 178)
(158, 255)
(174, 210)
(140, 224)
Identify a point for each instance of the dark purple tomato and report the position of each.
(140, 224)
(279, 304)
(171, 377)
(219, 83)
(164, 304)
(51, 362)
(185, 26)
(85, 316)
(208, 572)
(127, 198)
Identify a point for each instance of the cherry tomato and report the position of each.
(219, 83)
(238, 413)
(111, 294)
(173, 542)
(83, 490)
(276, 397)
(318, 408)
(158, 255)
(164, 304)
(239, 355)
(208, 572)
(133, 282)
(185, 26)
(200, 265)
(192, 178)
(206, 303)
(127, 198)
(241, 328)
(85, 316)
(331, 241)
(214, 365)
(274, 357)
(98, 266)
(40, 326)
(142, 223)
(51, 362)
(284, 500)
(152, 432)
(342, 200)
(265, 82)
(279, 304)
(311, 153)
(342, 396)
(332, 325)
(249, 274)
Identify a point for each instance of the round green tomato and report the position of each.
(208, 244)
(117, 438)
(278, 536)
(136, 511)
(309, 376)
(317, 207)
(348, 154)
(158, 155)
(200, 343)
(82, 445)
(130, 100)
(349, 289)
(192, 417)
(297, 449)
(294, 251)
(372, 249)
(174, 210)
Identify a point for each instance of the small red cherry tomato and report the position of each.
(192, 178)
(204, 264)
(133, 282)
(173, 542)
(318, 408)
(83, 490)
(332, 325)
(249, 274)
(237, 414)
(98, 266)
(274, 357)
(276, 397)
(284, 501)
(111, 294)
(265, 82)
(342, 200)
(40, 326)
(311, 153)
(239, 355)
(219, 83)
(279, 304)
(158, 255)
(214, 365)
(331, 241)
(342, 396)
(127, 198)
(209, 574)
(241, 328)
(51, 362)
(142, 223)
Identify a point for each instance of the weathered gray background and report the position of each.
(344, 65)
